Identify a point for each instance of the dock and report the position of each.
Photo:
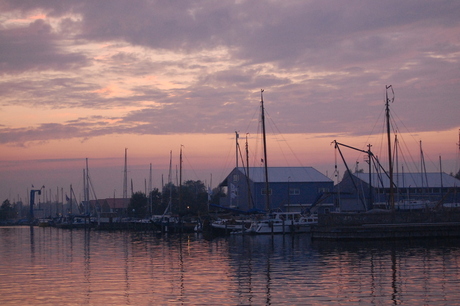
(387, 225)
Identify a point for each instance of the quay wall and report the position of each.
(395, 217)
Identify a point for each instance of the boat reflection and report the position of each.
(140, 268)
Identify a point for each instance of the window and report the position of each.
(323, 190)
(294, 191)
(269, 191)
(235, 177)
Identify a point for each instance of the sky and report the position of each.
(87, 79)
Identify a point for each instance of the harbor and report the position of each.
(380, 204)
(142, 268)
(229, 152)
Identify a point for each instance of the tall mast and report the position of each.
(369, 156)
(84, 186)
(423, 168)
(69, 209)
(250, 204)
(170, 182)
(87, 188)
(180, 178)
(150, 190)
(390, 162)
(125, 176)
(236, 148)
(267, 195)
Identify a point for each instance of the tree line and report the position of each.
(191, 198)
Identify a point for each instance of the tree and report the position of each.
(157, 205)
(138, 205)
(194, 198)
(7, 211)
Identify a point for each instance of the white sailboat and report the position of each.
(282, 223)
(278, 222)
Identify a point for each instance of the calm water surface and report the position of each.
(49, 266)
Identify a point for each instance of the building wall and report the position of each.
(302, 193)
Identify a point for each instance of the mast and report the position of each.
(237, 148)
(86, 187)
(423, 168)
(150, 190)
(250, 204)
(125, 176)
(396, 164)
(267, 195)
(369, 156)
(440, 171)
(70, 201)
(180, 178)
(390, 162)
(168, 209)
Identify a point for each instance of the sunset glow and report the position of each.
(87, 80)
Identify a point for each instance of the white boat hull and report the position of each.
(283, 223)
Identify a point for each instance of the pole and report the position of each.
(390, 162)
(236, 148)
(267, 191)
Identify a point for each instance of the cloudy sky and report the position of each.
(87, 79)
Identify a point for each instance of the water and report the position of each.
(49, 266)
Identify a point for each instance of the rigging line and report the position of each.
(274, 136)
(191, 167)
(434, 164)
(247, 177)
(406, 151)
(379, 119)
(254, 115)
(255, 153)
(224, 170)
(255, 156)
(283, 139)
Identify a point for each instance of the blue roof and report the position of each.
(413, 180)
(286, 174)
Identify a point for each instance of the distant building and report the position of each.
(118, 206)
(290, 188)
(353, 193)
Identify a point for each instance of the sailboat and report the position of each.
(83, 219)
(169, 222)
(277, 222)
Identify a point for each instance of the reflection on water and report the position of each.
(44, 266)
